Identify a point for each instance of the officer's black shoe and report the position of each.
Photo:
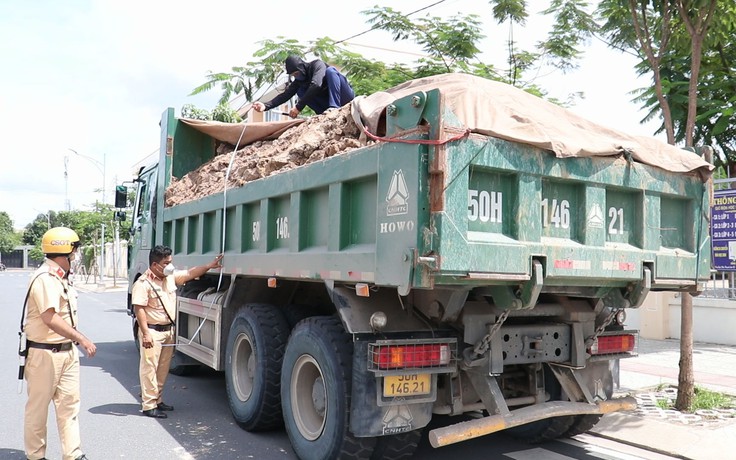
(164, 406)
(82, 457)
(154, 413)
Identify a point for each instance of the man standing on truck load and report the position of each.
(154, 301)
(318, 85)
(52, 363)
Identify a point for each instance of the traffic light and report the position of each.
(121, 196)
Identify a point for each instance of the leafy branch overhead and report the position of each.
(674, 40)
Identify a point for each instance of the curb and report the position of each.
(636, 444)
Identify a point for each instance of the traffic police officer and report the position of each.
(52, 364)
(154, 299)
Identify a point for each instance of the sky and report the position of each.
(84, 83)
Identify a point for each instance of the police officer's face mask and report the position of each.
(169, 269)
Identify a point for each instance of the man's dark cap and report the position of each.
(293, 64)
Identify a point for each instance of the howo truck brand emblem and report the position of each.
(595, 216)
(397, 196)
(397, 419)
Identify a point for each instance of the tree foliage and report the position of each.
(221, 112)
(87, 224)
(675, 41)
(8, 238)
(449, 44)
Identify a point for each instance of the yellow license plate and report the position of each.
(407, 385)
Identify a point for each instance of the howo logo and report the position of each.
(398, 195)
(399, 226)
(397, 204)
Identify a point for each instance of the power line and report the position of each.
(377, 25)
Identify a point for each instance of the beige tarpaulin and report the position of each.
(503, 111)
(232, 132)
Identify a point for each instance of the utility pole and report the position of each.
(66, 183)
(100, 165)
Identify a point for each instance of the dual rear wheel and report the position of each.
(302, 380)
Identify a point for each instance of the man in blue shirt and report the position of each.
(318, 85)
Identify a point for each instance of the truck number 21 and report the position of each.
(616, 224)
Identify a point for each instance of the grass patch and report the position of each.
(706, 399)
(665, 404)
(703, 399)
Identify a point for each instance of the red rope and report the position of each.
(457, 137)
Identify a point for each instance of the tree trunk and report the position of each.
(686, 379)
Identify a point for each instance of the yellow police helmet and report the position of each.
(59, 240)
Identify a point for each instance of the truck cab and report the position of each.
(142, 230)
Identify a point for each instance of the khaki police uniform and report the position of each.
(156, 294)
(51, 374)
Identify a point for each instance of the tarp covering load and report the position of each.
(234, 134)
(503, 111)
(485, 107)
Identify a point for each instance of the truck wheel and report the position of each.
(182, 365)
(295, 313)
(398, 446)
(583, 423)
(545, 430)
(255, 350)
(316, 381)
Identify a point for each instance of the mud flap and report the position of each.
(367, 418)
(590, 384)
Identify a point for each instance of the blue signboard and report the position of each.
(723, 230)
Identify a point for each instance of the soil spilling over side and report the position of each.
(319, 137)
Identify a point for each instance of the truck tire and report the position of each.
(316, 380)
(255, 349)
(398, 446)
(295, 313)
(183, 365)
(548, 429)
(583, 423)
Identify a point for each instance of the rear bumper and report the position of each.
(464, 431)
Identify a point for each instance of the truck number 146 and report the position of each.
(556, 215)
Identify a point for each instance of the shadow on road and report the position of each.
(12, 454)
(201, 422)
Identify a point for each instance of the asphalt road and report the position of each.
(201, 426)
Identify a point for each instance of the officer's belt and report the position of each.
(54, 347)
(160, 327)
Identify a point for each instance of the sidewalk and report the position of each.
(106, 284)
(705, 435)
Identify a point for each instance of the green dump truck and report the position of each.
(446, 267)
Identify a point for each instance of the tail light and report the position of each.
(609, 344)
(411, 356)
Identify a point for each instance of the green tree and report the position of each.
(87, 224)
(34, 231)
(8, 238)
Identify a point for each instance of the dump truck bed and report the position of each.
(416, 210)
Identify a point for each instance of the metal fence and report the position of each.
(720, 286)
